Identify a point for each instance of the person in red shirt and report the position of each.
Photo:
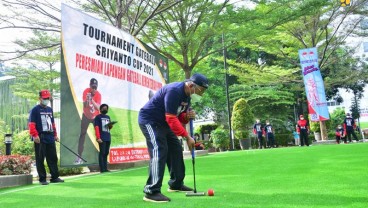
(198, 145)
(303, 130)
(91, 106)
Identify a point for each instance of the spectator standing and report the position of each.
(349, 127)
(269, 134)
(296, 136)
(258, 131)
(43, 131)
(303, 130)
(102, 124)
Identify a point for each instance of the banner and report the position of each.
(103, 64)
(313, 82)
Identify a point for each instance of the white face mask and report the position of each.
(195, 97)
(45, 102)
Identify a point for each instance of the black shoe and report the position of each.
(182, 189)
(156, 197)
(44, 183)
(57, 180)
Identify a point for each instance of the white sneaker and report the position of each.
(78, 161)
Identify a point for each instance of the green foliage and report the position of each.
(70, 171)
(205, 129)
(220, 138)
(355, 108)
(337, 118)
(22, 144)
(314, 126)
(42, 72)
(241, 118)
(284, 139)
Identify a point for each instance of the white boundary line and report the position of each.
(73, 178)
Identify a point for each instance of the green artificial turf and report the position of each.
(316, 176)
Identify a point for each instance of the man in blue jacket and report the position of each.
(161, 120)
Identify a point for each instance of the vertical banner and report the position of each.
(313, 82)
(103, 64)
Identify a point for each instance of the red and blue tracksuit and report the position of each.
(161, 120)
(42, 124)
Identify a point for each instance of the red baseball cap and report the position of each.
(44, 94)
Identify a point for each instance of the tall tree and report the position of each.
(37, 70)
(44, 15)
(188, 32)
(130, 15)
(25, 16)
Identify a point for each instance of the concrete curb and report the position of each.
(15, 180)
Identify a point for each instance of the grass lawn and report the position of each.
(363, 125)
(316, 176)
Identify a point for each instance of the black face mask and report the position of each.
(104, 111)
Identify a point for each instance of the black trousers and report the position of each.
(270, 140)
(164, 149)
(304, 138)
(339, 138)
(260, 141)
(350, 132)
(102, 156)
(82, 137)
(48, 151)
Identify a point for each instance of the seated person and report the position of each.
(198, 145)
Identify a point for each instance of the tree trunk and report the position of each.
(119, 14)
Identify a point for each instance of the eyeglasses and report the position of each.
(199, 88)
(94, 87)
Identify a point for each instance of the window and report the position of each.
(365, 47)
(333, 103)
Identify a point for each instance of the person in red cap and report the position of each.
(91, 105)
(43, 131)
(303, 130)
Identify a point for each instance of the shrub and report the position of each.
(220, 138)
(70, 171)
(284, 139)
(64, 171)
(241, 119)
(15, 165)
(22, 144)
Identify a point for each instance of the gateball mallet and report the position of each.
(73, 152)
(194, 193)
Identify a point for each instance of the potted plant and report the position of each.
(241, 120)
(220, 138)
